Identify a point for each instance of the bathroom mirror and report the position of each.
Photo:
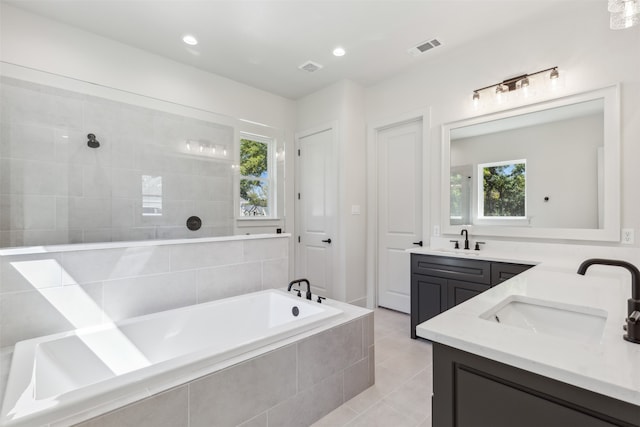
(548, 170)
(83, 163)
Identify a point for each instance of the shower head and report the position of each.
(93, 142)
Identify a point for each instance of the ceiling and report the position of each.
(262, 43)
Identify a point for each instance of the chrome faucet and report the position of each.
(308, 295)
(633, 304)
(465, 233)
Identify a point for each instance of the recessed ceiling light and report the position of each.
(190, 40)
(338, 51)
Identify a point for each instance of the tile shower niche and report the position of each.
(153, 168)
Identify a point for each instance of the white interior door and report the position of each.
(399, 210)
(316, 218)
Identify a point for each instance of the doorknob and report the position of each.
(418, 243)
(327, 241)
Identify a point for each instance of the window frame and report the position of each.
(271, 179)
(480, 176)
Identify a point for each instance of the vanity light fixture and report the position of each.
(514, 83)
(624, 14)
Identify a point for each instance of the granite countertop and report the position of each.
(604, 363)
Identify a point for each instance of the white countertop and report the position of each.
(609, 366)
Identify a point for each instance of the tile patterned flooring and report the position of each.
(401, 396)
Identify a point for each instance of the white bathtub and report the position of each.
(56, 376)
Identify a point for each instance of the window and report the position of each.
(256, 177)
(502, 189)
(151, 195)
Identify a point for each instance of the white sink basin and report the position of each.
(566, 321)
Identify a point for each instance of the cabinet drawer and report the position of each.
(501, 271)
(452, 268)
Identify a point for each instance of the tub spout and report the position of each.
(293, 282)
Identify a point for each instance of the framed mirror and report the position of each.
(548, 170)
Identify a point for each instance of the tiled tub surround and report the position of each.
(95, 367)
(291, 383)
(54, 189)
(60, 288)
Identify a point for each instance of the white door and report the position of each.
(316, 208)
(399, 210)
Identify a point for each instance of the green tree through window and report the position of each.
(504, 189)
(254, 181)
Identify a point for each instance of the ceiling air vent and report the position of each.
(423, 47)
(310, 66)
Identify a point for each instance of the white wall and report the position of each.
(587, 52)
(343, 103)
(34, 41)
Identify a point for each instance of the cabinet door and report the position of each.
(428, 299)
(477, 397)
(501, 271)
(458, 292)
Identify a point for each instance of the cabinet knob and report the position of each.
(327, 241)
(418, 243)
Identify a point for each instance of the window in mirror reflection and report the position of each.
(151, 195)
(256, 177)
(502, 189)
(460, 195)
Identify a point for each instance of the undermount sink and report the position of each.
(549, 318)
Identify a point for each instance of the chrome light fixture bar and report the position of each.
(514, 83)
(624, 14)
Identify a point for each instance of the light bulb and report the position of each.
(476, 99)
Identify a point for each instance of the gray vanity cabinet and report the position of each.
(439, 283)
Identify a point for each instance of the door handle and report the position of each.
(327, 241)
(418, 243)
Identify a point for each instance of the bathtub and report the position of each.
(56, 376)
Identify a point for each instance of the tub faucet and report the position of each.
(633, 304)
(301, 281)
(465, 233)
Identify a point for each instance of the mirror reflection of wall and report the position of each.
(460, 199)
(563, 177)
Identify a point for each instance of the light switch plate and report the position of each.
(627, 236)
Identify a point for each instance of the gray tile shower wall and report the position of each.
(54, 189)
(274, 389)
(51, 292)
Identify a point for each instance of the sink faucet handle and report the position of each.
(457, 245)
(478, 245)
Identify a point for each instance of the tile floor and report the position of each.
(401, 396)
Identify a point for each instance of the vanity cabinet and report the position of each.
(439, 283)
(467, 387)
